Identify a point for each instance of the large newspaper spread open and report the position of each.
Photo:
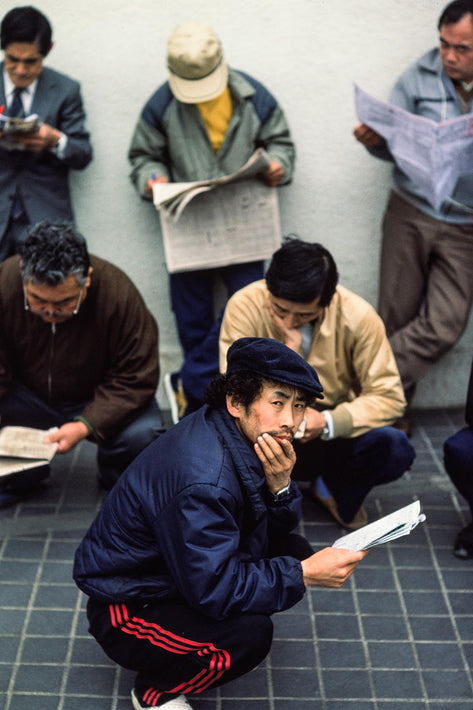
(392, 526)
(22, 448)
(431, 154)
(212, 223)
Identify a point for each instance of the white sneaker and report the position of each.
(179, 703)
(176, 396)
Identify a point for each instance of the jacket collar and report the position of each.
(245, 461)
(431, 62)
(46, 88)
(239, 86)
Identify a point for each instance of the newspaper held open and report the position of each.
(392, 526)
(213, 223)
(432, 154)
(22, 448)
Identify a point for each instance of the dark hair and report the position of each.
(245, 386)
(26, 24)
(52, 252)
(301, 272)
(455, 11)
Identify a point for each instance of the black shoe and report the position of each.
(463, 548)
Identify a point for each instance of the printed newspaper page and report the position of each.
(431, 154)
(392, 526)
(22, 448)
(235, 224)
(172, 197)
(212, 223)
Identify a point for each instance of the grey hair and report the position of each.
(52, 252)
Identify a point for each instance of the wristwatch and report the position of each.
(282, 494)
(325, 433)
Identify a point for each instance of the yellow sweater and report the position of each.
(216, 115)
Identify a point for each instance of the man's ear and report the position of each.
(89, 273)
(234, 406)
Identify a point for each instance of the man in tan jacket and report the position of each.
(347, 445)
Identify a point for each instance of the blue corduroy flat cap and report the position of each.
(273, 361)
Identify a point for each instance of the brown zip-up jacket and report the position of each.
(105, 357)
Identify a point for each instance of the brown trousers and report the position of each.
(426, 286)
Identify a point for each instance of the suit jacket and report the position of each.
(42, 178)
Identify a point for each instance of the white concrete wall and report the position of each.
(308, 53)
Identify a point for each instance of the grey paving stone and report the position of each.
(41, 702)
(347, 684)
(44, 650)
(448, 685)
(401, 684)
(432, 655)
(342, 654)
(39, 678)
(425, 602)
(292, 654)
(391, 654)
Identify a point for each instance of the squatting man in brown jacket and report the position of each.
(78, 351)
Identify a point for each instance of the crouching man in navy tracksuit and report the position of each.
(193, 550)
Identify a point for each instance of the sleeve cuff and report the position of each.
(89, 427)
(60, 150)
(328, 432)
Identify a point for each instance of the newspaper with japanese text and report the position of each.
(213, 223)
(22, 448)
(392, 526)
(432, 154)
(172, 197)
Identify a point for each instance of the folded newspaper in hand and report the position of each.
(12, 127)
(392, 526)
(22, 448)
(13, 124)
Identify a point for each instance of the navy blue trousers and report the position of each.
(13, 234)
(350, 468)
(458, 459)
(192, 300)
(177, 650)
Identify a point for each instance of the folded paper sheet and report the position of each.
(22, 448)
(392, 526)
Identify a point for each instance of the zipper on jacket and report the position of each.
(51, 355)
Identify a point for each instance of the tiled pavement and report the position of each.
(398, 635)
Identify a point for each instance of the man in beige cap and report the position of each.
(205, 122)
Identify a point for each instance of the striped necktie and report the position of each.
(16, 108)
(17, 111)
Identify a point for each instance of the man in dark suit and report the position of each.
(34, 169)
